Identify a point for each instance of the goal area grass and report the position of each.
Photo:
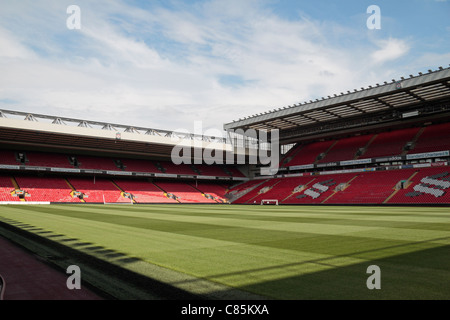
(273, 252)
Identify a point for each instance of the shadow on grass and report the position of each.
(419, 275)
(421, 272)
(100, 252)
(109, 277)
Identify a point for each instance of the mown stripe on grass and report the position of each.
(364, 217)
(324, 243)
(259, 256)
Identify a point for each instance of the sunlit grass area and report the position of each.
(279, 252)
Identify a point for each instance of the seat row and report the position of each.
(406, 186)
(391, 143)
(101, 190)
(41, 159)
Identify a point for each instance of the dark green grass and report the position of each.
(277, 252)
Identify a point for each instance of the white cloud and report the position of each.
(10, 47)
(163, 68)
(390, 49)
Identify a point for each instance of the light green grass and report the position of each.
(279, 252)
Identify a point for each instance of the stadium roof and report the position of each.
(385, 104)
(411, 101)
(21, 129)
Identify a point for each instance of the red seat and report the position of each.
(48, 189)
(99, 190)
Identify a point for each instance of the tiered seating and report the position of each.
(434, 138)
(98, 163)
(210, 170)
(288, 156)
(243, 186)
(370, 187)
(144, 192)
(345, 149)
(429, 185)
(390, 143)
(99, 191)
(8, 157)
(247, 186)
(320, 189)
(184, 169)
(308, 154)
(172, 168)
(289, 185)
(283, 189)
(216, 190)
(235, 190)
(6, 186)
(234, 172)
(255, 195)
(184, 192)
(48, 189)
(137, 165)
(39, 159)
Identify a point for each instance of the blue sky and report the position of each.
(167, 64)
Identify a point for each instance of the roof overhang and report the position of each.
(383, 104)
(19, 130)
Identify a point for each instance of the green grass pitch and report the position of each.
(277, 252)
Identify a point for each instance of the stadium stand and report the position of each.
(290, 187)
(309, 153)
(233, 172)
(237, 191)
(390, 143)
(8, 157)
(40, 159)
(138, 165)
(319, 190)
(98, 190)
(286, 158)
(247, 192)
(206, 170)
(427, 185)
(347, 148)
(144, 191)
(424, 185)
(254, 196)
(48, 189)
(99, 163)
(370, 187)
(433, 138)
(6, 189)
(56, 160)
(280, 189)
(171, 168)
(185, 193)
(212, 190)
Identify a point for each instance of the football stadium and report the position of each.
(344, 196)
(362, 180)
